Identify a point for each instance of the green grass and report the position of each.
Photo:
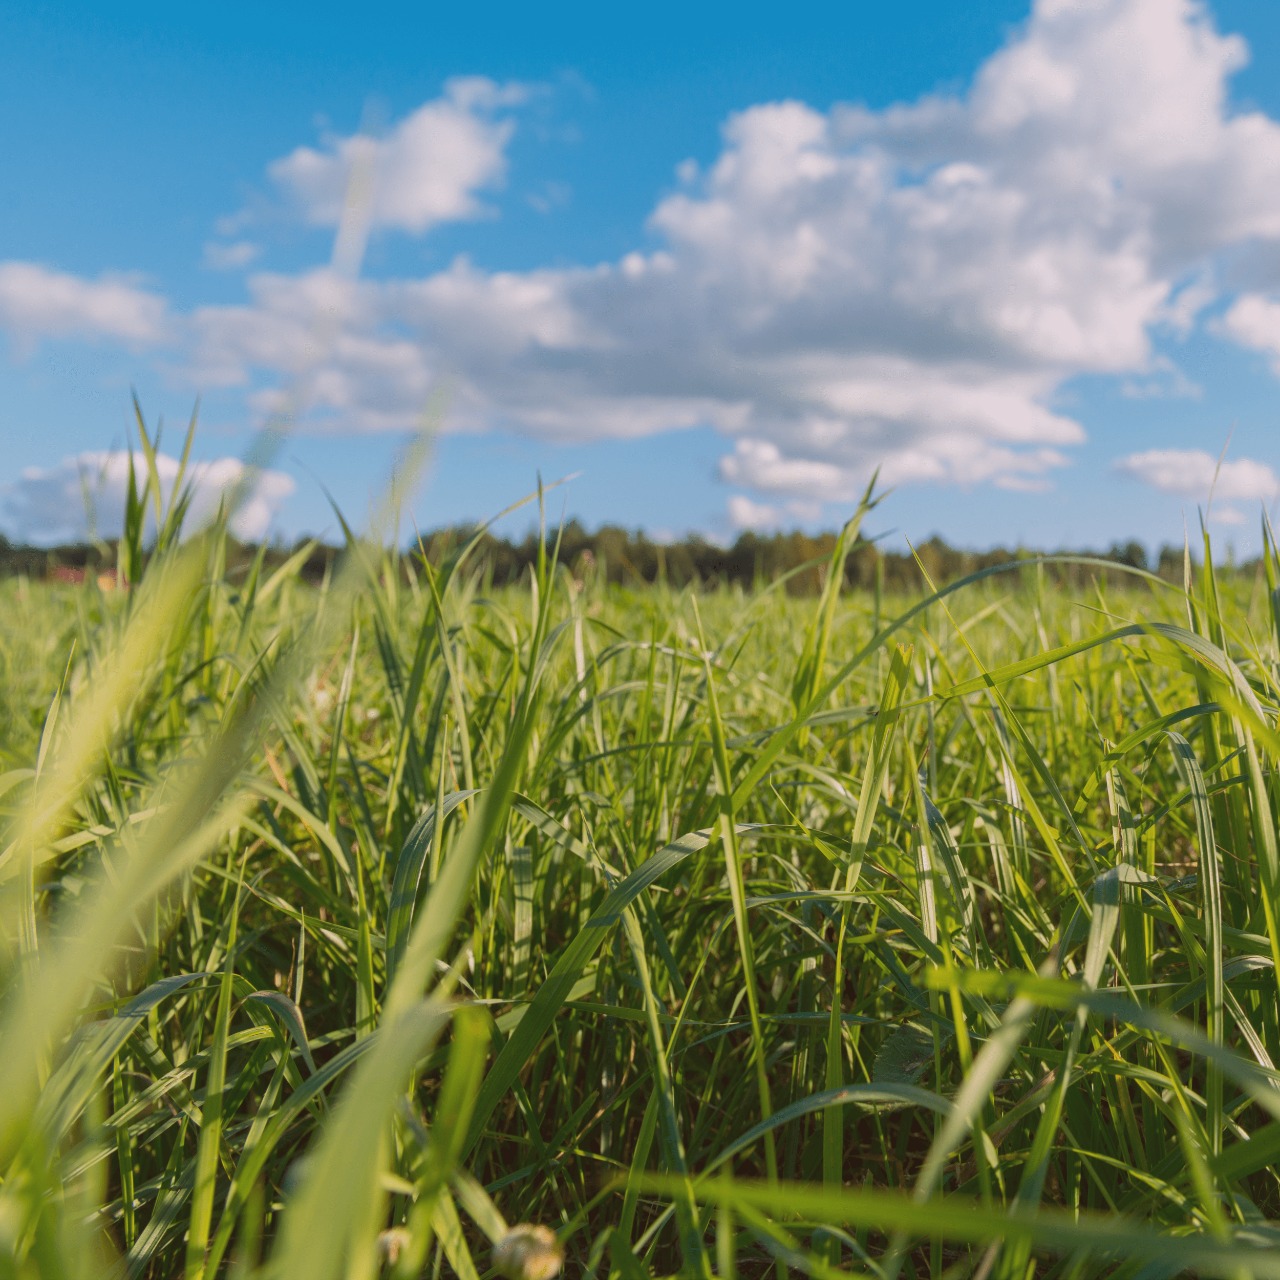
(720, 934)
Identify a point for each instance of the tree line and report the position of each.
(629, 557)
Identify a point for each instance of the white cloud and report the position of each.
(85, 495)
(1190, 474)
(37, 303)
(907, 288)
(744, 513)
(427, 170)
(1254, 321)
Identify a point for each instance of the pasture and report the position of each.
(718, 933)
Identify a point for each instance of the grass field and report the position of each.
(719, 934)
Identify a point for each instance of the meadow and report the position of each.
(715, 932)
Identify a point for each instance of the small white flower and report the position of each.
(391, 1244)
(321, 696)
(528, 1252)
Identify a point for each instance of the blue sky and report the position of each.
(722, 264)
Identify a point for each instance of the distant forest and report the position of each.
(628, 557)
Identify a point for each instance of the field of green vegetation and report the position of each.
(717, 933)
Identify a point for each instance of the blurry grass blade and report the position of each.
(322, 1235)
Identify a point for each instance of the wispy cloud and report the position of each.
(232, 256)
(1196, 475)
(1163, 380)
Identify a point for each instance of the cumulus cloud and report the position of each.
(1197, 476)
(428, 169)
(1254, 321)
(744, 513)
(84, 496)
(907, 288)
(37, 303)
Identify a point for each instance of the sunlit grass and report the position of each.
(346, 928)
